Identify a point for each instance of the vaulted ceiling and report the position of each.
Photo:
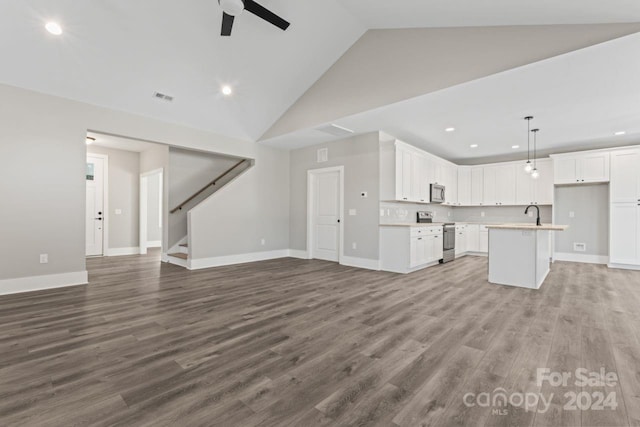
(117, 53)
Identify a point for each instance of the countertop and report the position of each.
(550, 227)
(414, 224)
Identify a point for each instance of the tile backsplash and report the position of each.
(394, 213)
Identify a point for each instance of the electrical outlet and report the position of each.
(482, 214)
(44, 258)
(354, 245)
(352, 212)
(364, 194)
(449, 214)
(435, 213)
(381, 212)
(572, 214)
(580, 247)
(530, 214)
(118, 211)
(262, 242)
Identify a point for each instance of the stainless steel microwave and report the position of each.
(437, 193)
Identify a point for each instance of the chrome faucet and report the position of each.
(526, 211)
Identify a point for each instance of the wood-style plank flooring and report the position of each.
(304, 343)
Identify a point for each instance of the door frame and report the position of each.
(144, 196)
(105, 202)
(311, 177)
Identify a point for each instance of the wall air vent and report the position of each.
(163, 96)
(322, 155)
(335, 130)
(580, 247)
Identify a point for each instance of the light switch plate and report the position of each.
(44, 258)
(118, 211)
(381, 212)
(572, 214)
(482, 214)
(352, 212)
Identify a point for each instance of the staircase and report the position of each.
(181, 257)
(179, 253)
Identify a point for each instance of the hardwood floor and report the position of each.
(303, 343)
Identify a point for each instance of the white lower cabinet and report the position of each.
(404, 249)
(461, 239)
(476, 238)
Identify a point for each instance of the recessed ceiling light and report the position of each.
(449, 129)
(90, 140)
(54, 28)
(515, 146)
(474, 146)
(620, 133)
(226, 90)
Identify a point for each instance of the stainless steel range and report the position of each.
(449, 242)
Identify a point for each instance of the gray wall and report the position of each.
(236, 218)
(124, 194)
(360, 157)
(493, 214)
(189, 171)
(43, 161)
(590, 225)
(154, 228)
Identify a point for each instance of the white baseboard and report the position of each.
(296, 253)
(624, 266)
(38, 283)
(123, 251)
(197, 264)
(154, 244)
(369, 264)
(583, 258)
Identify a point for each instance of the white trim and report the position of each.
(369, 264)
(197, 264)
(37, 283)
(134, 250)
(583, 258)
(177, 261)
(105, 202)
(624, 266)
(297, 253)
(154, 244)
(310, 175)
(143, 211)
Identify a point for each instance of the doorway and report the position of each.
(151, 200)
(325, 201)
(96, 183)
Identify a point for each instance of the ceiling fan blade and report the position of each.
(227, 24)
(266, 14)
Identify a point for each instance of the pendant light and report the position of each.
(527, 167)
(534, 173)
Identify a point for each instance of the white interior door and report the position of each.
(326, 215)
(95, 206)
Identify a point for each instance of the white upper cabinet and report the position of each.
(477, 186)
(450, 183)
(464, 186)
(578, 168)
(404, 173)
(531, 191)
(625, 176)
(500, 185)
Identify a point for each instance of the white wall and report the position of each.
(42, 162)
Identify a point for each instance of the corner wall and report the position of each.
(360, 157)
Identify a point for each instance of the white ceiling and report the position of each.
(579, 100)
(117, 53)
(464, 13)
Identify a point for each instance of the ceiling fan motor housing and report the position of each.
(232, 7)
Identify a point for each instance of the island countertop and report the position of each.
(548, 227)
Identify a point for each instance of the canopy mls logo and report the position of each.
(499, 400)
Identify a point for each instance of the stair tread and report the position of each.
(179, 255)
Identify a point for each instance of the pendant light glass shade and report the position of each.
(528, 167)
(534, 173)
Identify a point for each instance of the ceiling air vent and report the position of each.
(163, 96)
(335, 130)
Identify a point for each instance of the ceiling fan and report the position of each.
(233, 8)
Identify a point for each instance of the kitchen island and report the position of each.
(519, 254)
